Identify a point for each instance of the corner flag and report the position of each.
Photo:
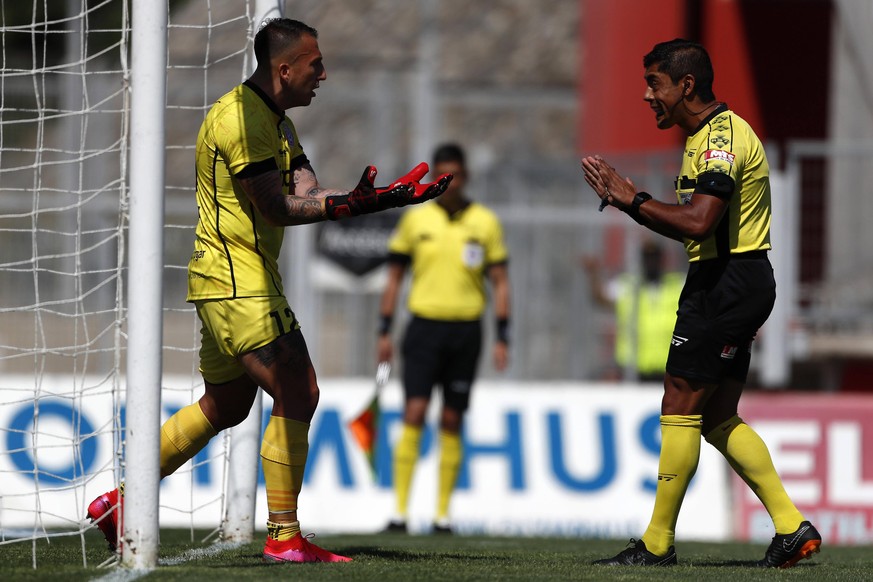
(365, 426)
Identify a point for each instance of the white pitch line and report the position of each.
(121, 574)
(198, 553)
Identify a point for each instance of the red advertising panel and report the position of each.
(822, 446)
(613, 118)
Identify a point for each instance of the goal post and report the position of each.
(145, 267)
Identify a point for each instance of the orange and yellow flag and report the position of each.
(365, 426)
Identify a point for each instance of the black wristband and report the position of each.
(385, 324)
(503, 330)
(639, 200)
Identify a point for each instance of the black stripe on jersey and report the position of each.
(258, 168)
(723, 230)
(503, 263)
(299, 161)
(218, 223)
(399, 258)
(270, 103)
(254, 214)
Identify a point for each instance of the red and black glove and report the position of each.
(367, 198)
(424, 192)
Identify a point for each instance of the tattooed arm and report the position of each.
(306, 184)
(312, 203)
(305, 206)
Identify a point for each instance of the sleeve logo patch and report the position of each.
(719, 155)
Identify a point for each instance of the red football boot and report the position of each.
(298, 549)
(105, 511)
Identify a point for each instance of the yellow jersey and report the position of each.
(449, 256)
(725, 158)
(235, 250)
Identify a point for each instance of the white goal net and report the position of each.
(64, 183)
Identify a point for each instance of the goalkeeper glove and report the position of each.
(367, 198)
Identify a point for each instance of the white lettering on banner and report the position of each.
(845, 483)
(822, 447)
(790, 443)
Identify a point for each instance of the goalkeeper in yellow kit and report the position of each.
(253, 179)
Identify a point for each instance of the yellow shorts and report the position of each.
(233, 327)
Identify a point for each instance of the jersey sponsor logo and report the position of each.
(678, 340)
(720, 156)
(728, 352)
(667, 476)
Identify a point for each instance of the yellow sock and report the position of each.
(680, 452)
(750, 459)
(283, 457)
(451, 453)
(282, 532)
(182, 437)
(405, 456)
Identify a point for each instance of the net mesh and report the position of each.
(64, 115)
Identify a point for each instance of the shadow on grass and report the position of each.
(414, 556)
(255, 560)
(748, 564)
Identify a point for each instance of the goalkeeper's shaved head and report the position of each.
(277, 35)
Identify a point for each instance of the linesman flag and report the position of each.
(365, 426)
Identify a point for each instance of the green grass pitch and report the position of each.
(386, 557)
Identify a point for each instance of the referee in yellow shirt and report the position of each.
(450, 246)
(722, 216)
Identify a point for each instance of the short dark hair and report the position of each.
(679, 57)
(449, 152)
(277, 34)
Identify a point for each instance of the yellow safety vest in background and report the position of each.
(655, 309)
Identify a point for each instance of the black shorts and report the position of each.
(444, 353)
(721, 308)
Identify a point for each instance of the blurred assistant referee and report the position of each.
(450, 246)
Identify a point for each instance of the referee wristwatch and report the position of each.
(639, 200)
